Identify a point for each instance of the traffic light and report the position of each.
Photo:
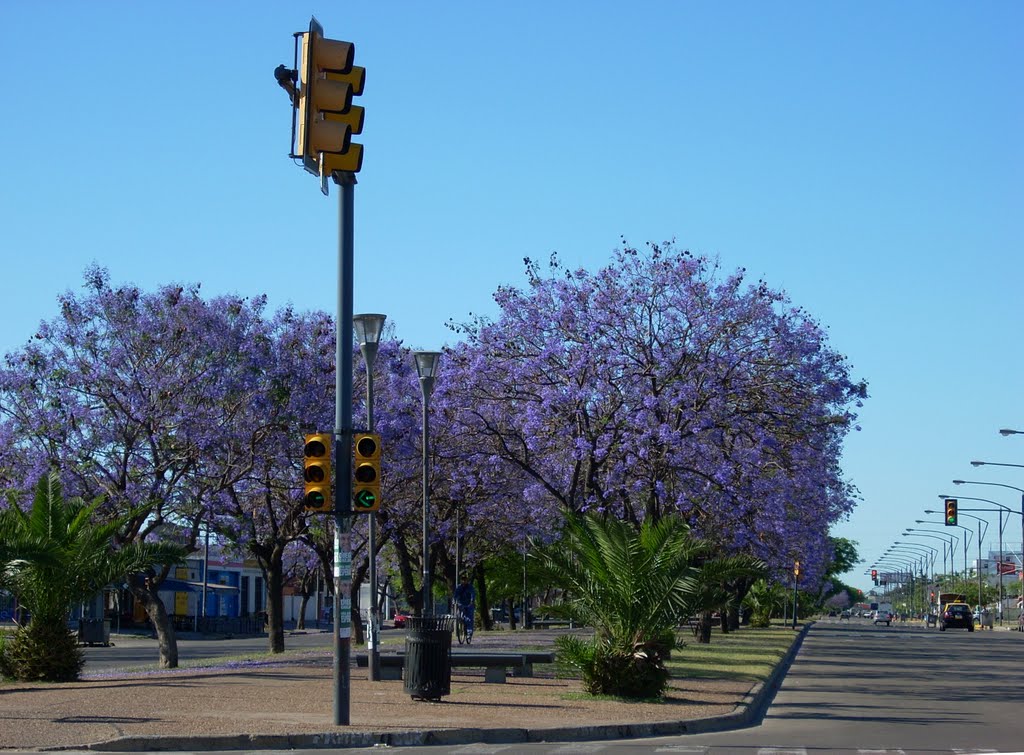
(951, 518)
(366, 490)
(317, 453)
(874, 576)
(327, 118)
(796, 568)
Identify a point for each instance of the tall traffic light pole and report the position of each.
(343, 453)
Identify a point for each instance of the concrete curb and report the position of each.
(747, 713)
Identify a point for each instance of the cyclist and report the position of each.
(465, 600)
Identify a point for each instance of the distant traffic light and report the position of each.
(366, 490)
(317, 475)
(874, 576)
(796, 568)
(951, 517)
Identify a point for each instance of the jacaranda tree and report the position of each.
(657, 386)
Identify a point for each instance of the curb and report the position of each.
(749, 711)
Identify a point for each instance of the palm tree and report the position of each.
(633, 587)
(54, 556)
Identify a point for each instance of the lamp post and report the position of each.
(928, 555)
(1001, 485)
(368, 328)
(923, 555)
(999, 569)
(946, 538)
(426, 367)
(1006, 431)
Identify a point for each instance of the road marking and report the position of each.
(782, 751)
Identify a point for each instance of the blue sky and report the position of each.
(865, 157)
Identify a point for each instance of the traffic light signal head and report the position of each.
(317, 475)
(327, 118)
(951, 516)
(796, 568)
(366, 488)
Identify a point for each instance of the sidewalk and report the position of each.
(289, 704)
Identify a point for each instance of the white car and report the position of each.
(882, 617)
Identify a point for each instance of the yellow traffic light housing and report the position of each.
(366, 488)
(317, 475)
(327, 118)
(951, 512)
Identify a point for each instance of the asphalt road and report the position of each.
(132, 651)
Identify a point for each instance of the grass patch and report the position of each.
(745, 655)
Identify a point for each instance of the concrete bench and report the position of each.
(496, 665)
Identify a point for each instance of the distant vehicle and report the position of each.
(399, 620)
(844, 615)
(882, 617)
(956, 615)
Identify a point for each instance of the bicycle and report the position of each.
(463, 622)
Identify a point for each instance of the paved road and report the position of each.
(129, 651)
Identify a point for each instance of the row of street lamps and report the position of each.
(908, 555)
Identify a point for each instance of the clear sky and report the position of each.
(865, 157)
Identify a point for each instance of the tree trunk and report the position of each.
(167, 641)
(273, 573)
(482, 600)
(300, 623)
(704, 628)
(723, 619)
(413, 596)
(734, 616)
(358, 635)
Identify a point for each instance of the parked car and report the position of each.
(882, 617)
(844, 615)
(399, 620)
(956, 615)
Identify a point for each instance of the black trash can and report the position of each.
(428, 650)
(94, 631)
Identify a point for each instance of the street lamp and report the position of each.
(1001, 485)
(946, 538)
(427, 363)
(368, 328)
(1007, 431)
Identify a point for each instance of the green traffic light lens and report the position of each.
(315, 499)
(365, 499)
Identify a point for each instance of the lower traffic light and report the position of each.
(366, 490)
(317, 475)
